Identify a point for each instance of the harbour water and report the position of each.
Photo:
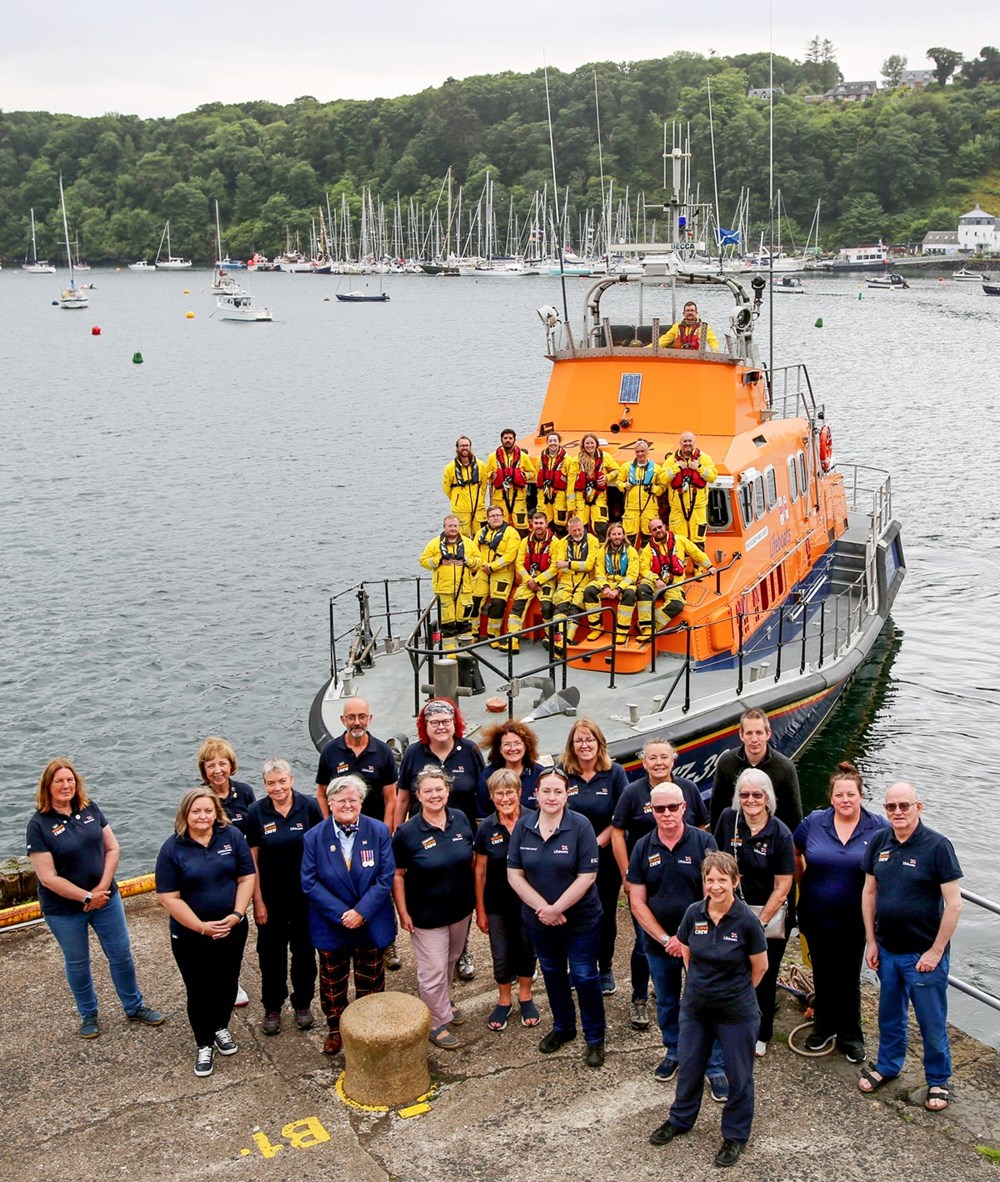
(170, 531)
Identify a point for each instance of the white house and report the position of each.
(979, 231)
(940, 242)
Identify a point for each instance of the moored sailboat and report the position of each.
(36, 266)
(72, 296)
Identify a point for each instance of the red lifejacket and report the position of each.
(689, 335)
(665, 557)
(536, 561)
(590, 486)
(551, 475)
(688, 475)
(510, 474)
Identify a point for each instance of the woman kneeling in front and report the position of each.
(725, 955)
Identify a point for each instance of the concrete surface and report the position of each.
(127, 1104)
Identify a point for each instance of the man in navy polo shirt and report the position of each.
(756, 751)
(911, 903)
(664, 879)
(358, 753)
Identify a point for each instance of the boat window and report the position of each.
(758, 497)
(745, 494)
(772, 486)
(720, 509)
(765, 595)
(803, 475)
(793, 480)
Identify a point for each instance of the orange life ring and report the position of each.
(826, 449)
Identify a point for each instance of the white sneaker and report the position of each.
(242, 997)
(760, 1050)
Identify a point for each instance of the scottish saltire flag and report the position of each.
(727, 237)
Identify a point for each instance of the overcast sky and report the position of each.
(145, 59)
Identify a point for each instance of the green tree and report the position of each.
(863, 218)
(946, 62)
(892, 70)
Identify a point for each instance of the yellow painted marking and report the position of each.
(414, 1110)
(339, 1088)
(265, 1146)
(245, 1152)
(304, 1133)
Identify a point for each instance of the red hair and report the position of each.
(422, 734)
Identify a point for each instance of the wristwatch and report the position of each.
(665, 939)
(88, 898)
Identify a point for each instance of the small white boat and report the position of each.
(169, 262)
(37, 266)
(893, 281)
(236, 303)
(789, 284)
(142, 265)
(967, 276)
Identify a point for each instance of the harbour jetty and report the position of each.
(127, 1106)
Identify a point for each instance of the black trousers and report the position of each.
(287, 928)
(768, 988)
(210, 970)
(837, 958)
(609, 885)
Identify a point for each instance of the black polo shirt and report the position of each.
(438, 864)
(76, 844)
(205, 876)
(376, 765)
(493, 842)
(634, 812)
(784, 779)
(529, 786)
(596, 798)
(908, 876)
(237, 803)
(464, 763)
(672, 877)
(719, 987)
(278, 841)
(550, 866)
(759, 856)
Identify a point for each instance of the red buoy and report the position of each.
(95, 331)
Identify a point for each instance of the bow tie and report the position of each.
(347, 830)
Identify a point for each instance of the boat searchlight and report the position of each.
(548, 315)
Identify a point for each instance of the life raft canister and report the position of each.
(826, 449)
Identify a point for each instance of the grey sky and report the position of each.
(132, 57)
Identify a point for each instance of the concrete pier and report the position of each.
(127, 1106)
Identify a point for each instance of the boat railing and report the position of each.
(865, 495)
(382, 624)
(965, 987)
(790, 394)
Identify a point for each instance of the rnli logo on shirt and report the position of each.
(270, 827)
(368, 858)
(700, 928)
(459, 837)
(429, 843)
(732, 938)
(654, 859)
(370, 770)
(496, 839)
(685, 861)
(297, 825)
(601, 792)
(884, 856)
(761, 849)
(86, 820)
(562, 849)
(458, 769)
(226, 849)
(911, 862)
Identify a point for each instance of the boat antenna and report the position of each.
(770, 182)
(555, 191)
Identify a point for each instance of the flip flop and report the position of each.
(941, 1094)
(497, 1021)
(529, 1013)
(445, 1039)
(874, 1080)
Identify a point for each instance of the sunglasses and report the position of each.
(751, 796)
(668, 808)
(902, 806)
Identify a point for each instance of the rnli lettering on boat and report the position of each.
(757, 538)
(780, 541)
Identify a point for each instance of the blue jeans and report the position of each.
(667, 973)
(900, 984)
(565, 954)
(72, 933)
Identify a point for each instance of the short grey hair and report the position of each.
(341, 783)
(276, 765)
(754, 778)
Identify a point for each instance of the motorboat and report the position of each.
(236, 303)
(807, 556)
(142, 265)
(789, 284)
(892, 280)
(363, 297)
(992, 288)
(964, 275)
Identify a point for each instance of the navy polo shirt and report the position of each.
(672, 877)
(438, 864)
(237, 803)
(909, 875)
(830, 893)
(76, 844)
(464, 763)
(553, 865)
(634, 812)
(376, 765)
(278, 841)
(529, 784)
(597, 797)
(205, 876)
(760, 856)
(493, 842)
(719, 986)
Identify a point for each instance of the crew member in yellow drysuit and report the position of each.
(497, 543)
(687, 473)
(574, 557)
(590, 474)
(464, 484)
(662, 565)
(536, 575)
(642, 482)
(454, 559)
(509, 471)
(616, 572)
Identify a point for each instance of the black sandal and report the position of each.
(937, 1092)
(874, 1081)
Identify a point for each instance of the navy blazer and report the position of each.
(366, 888)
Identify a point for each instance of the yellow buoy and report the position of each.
(187, 290)
(190, 315)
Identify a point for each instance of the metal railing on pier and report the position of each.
(965, 987)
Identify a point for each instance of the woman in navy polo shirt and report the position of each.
(552, 866)
(512, 745)
(434, 896)
(205, 879)
(762, 847)
(830, 847)
(595, 785)
(498, 909)
(725, 955)
(275, 828)
(75, 854)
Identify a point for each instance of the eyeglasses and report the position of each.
(668, 808)
(901, 806)
(751, 796)
(440, 722)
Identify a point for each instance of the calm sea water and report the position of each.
(170, 531)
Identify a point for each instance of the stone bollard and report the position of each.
(385, 1049)
(17, 882)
